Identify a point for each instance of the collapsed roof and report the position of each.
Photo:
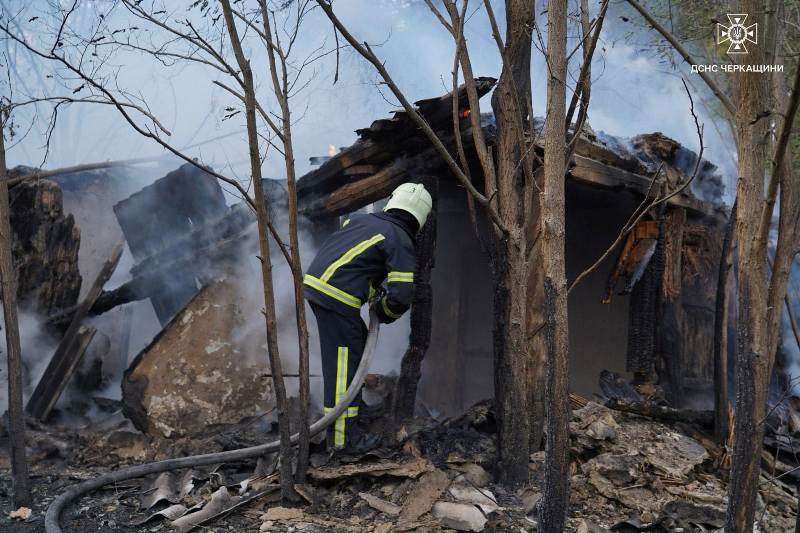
(391, 149)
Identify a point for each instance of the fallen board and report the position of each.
(71, 348)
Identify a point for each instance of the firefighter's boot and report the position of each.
(356, 440)
(359, 441)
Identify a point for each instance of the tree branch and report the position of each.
(723, 98)
(777, 162)
(366, 52)
(583, 81)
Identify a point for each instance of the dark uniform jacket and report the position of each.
(353, 263)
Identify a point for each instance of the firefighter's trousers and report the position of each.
(342, 339)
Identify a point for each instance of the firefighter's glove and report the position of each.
(381, 308)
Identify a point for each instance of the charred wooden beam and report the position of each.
(643, 316)
(329, 176)
(438, 112)
(360, 191)
(71, 348)
(361, 170)
(419, 339)
(663, 413)
(591, 172)
(670, 305)
(383, 141)
(199, 255)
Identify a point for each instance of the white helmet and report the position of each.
(412, 198)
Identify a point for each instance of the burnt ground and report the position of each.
(629, 474)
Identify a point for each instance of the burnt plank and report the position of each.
(361, 170)
(323, 179)
(161, 214)
(592, 172)
(71, 348)
(670, 335)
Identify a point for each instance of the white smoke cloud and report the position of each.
(633, 92)
(37, 347)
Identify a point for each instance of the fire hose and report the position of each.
(51, 519)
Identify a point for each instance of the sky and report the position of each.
(633, 90)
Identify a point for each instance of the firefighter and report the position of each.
(372, 254)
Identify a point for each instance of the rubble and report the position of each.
(380, 505)
(424, 494)
(412, 468)
(651, 477)
(72, 347)
(282, 513)
(23, 513)
(198, 347)
(474, 474)
(584, 526)
(459, 516)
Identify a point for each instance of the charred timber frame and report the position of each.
(419, 338)
(669, 341)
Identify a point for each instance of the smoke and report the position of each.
(37, 346)
(633, 89)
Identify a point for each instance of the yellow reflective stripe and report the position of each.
(341, 388)
(349, 255)
(350, 412)
(386, 309)
(346, 222)
(407, 277)
(333, 292)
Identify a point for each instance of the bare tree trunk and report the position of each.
(751, 92)
(262, 219)
(281, 88)
(721, 333)
(8, 278)
(760, 301)
(300, 309)
(510, 254)
(557, 410)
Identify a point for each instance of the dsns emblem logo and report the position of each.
(737, 33)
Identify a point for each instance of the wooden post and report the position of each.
(405, 393)
(669, 341)
(16, 423)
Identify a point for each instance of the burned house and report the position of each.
(186, 248)
(670, 261)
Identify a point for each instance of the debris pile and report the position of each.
(629, 474)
